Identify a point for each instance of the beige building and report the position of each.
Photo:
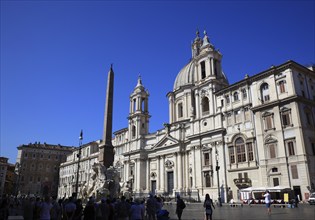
(37, 167)
(68, 170)
(221, 138)
(7, 177)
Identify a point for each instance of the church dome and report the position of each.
(185, 76)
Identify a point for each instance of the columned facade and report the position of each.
(222, 138)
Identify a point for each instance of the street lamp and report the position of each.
(217, 168)
(78, 169)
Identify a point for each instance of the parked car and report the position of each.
(311, 200)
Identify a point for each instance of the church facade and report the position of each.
(222, 138)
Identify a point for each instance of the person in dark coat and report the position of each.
(89, 210)
(180, 205)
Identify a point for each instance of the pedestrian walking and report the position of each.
(89, 210)
(28, 208)
(55, 213)
(151, 207)
(45, 209)
(78, 210)
(102, 210)
(137, 210)
(208, 205)
(69, 209)
(123, 209)
(267, 201)
(180, 206)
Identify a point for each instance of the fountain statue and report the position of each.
(103, 182)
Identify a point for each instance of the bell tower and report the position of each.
(138, 112)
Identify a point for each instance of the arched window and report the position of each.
(180, 110)
(143, 104)
(134, 105)
(235, 96)
(240, 150)
(203, 69)
(227, 99)
(205, 106)
(281, 85)
(244, 92)
(264, 91)
(133, 131)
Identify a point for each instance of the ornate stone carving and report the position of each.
(169, 164)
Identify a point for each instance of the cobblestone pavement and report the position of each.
(257, 212)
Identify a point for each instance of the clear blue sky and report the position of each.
(55, 56)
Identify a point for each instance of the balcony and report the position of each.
(243, 182)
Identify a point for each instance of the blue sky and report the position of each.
(55, 56)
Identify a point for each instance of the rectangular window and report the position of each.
(203, 70)
(275, 181)
(207, 159)
(231, 154)
(240, 151)
(291, 148)
(250, 152)
(268, 122)
(227, 98)
(272, 151)
(286, 119)
(282, 86)
(294, 172)
(240, 176)
(245, 175)
(266, 98)
(207, 179)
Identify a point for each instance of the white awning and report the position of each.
(263, 189)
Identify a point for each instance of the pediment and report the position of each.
(166, 141)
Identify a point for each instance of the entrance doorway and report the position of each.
(170, 182)
(297, 192)
(153, 186)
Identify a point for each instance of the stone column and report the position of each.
(197, 104)
(158, 182)
(180, 173)
(187, 169)
(194, 166)
(212, 66)
(176, 172)
(163, 173)
(148, 187)
(137, 174)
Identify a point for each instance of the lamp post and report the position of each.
(78, 169)
(217, 168)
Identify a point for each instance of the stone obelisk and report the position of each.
(106, 156)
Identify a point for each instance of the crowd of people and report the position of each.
(49, 208)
